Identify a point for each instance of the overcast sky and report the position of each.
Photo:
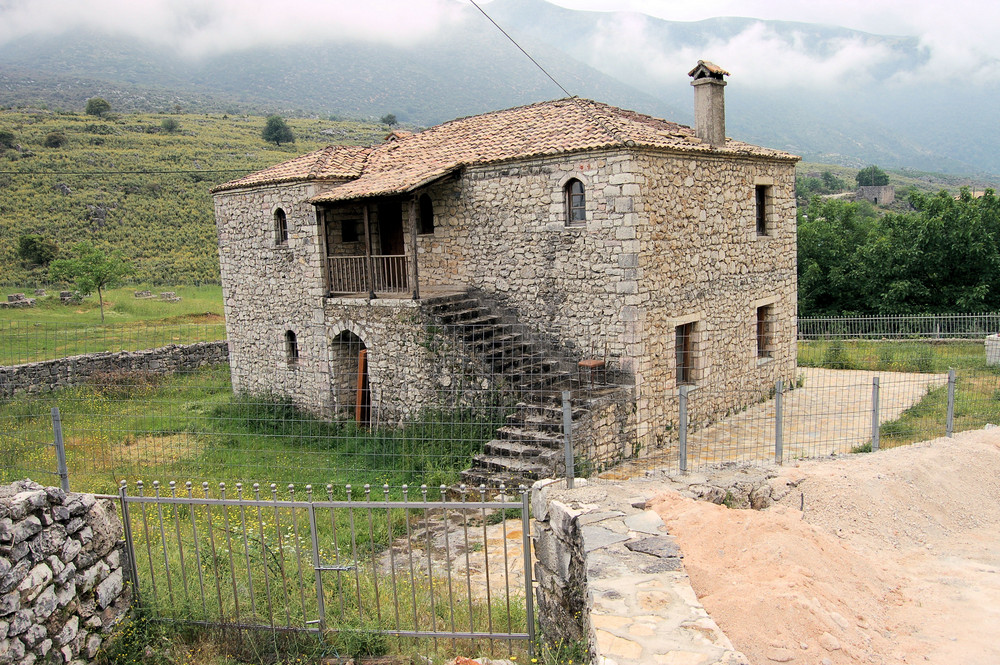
(960, 35)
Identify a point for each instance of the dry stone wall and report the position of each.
(62, 575)
(50, 375)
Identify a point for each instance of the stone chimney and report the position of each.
(709, 103)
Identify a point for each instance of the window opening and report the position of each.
(349, 230)
(291, 347)
(426, 207)
(576, 203)
(763, 195)
(280, 227)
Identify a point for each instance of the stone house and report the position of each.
(664, 253)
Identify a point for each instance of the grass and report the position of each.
(54, 330)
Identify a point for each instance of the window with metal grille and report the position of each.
(576, 203)
(685, 353)
(280, 227)
(765, 325)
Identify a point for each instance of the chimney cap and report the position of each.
(706, 69)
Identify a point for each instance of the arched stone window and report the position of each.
(280, 227)
(576, 203)
(426, 209)
(291, 347)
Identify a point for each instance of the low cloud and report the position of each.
(200, 27)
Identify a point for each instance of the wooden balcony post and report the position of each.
(414, 275)
(369, 269)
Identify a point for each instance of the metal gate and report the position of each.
(449, 564)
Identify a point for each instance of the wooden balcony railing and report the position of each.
(363, 274)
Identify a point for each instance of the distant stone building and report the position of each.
(666, 252)
(880, 195)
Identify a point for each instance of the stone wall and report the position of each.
(881, 195)
(611, 578)
(50, 375)
(62, 575)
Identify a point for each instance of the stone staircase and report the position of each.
(530, 445)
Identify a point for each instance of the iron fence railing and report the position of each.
(441, 565)
(922, 326)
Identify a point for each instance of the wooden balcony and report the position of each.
(377, 274)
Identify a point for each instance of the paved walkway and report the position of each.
(830, 413)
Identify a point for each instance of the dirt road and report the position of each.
(895, 558)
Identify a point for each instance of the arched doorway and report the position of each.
(351, 389)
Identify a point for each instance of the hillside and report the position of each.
(883, 111)
(128, 184)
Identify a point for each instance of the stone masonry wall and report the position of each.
(62, 581)
(52, 375)
(701, 260)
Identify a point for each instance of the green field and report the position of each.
(54, 330)
(125, 183)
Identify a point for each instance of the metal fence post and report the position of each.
(60, 449)
(317, 566)
(567, 409)
(683, 426)
(875, 427)
(949, 427)
(779, 388)
(133, 566)
(529, 600)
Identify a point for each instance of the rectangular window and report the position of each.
(685, 353)
(763, 199)
(349, 230)
(765, 316)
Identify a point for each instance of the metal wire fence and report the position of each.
(483, 402)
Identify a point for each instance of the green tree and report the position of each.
(170, 125)
(872, 176)
(389, 119)
(7, 138)
(36, 250)
(91, 270)
(277, 130)
(98, 106)
(55, 140)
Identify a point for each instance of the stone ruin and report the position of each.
(17, 300)
(69, 297)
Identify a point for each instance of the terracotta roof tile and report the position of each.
(537, 130)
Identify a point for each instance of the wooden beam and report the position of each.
(368, 255)
(414, 275)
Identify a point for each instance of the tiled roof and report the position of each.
(537, 130)
(332, 162)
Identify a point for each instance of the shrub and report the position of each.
(98, 106)
(55, 140)
(835, 355)
(170, 125)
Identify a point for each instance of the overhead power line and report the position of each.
(527, 55)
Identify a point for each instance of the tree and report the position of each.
(170, 125)
(6, 138)
(277, 130)
(36, 250)
(872, 176)
(389, 119)
(98, 106)
(91, 270)
(55, 140)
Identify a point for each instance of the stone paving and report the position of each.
(830, 413)
(640, 603)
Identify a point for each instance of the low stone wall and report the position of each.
(50, 375)
(62, 581)
(611, 577)
(993, 350)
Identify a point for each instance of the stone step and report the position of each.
(537, 422)
(509, 349)
(510, 448)
(546, 411)
(539, 382)
(460, 316)
(521, 364)
(516, 466)
(531, 436)
(498, 338)
(493, 479)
